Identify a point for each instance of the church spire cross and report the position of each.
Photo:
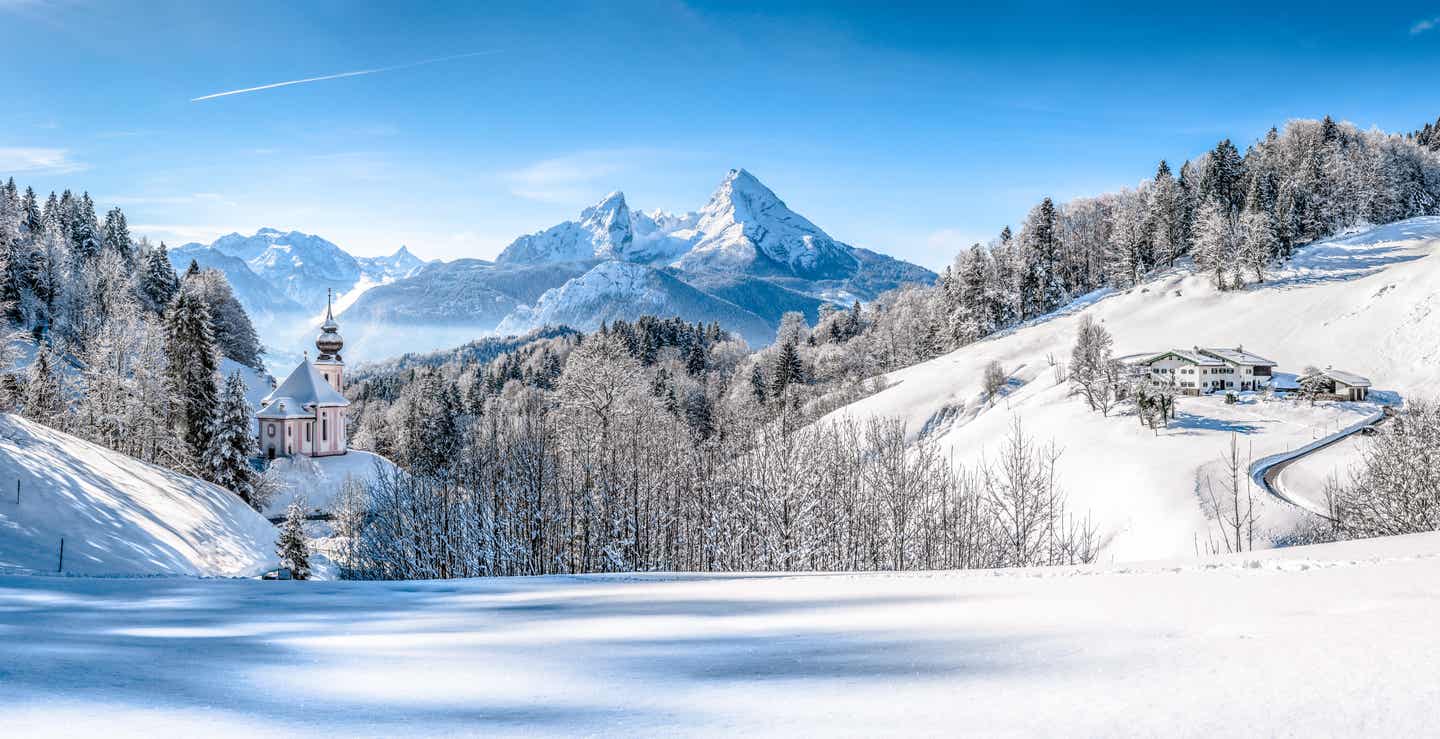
(329, 301)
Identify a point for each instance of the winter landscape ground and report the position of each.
(1262, 643)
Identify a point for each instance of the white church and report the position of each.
(305, 415)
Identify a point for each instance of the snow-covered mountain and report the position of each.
(1367, 303)
(616, 289)
(744, 259)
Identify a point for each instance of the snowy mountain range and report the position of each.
(277, 273)
(744, 259)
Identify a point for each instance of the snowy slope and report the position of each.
(1337, 640)
(318, 481)
(1366, 303)
(616, 289)
(118, 516)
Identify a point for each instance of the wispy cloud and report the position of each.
(341, 75)
(34, 160)
(578, 176)
(1422, 26)
(195, 197)
(175, 234)
(951, 241)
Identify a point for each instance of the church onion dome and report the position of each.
(329, 342)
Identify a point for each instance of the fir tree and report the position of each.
(192, 364)
(115, 236)
(232, 444)
(695, 364)
(787, 369)
(1259, 241)
(44, 399)
(158, 284)
(292, 548)
(757, 383)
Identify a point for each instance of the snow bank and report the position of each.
(1316, 641)
(118, 515)
(1366, 303)
(319, 480)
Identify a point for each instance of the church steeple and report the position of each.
(329, 342)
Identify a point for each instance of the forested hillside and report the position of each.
(106, 342)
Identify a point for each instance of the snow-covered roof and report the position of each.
(1192, 357)
(1238, 356)
(1345, 378)
(299, 394)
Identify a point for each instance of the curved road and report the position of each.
(1266, 470)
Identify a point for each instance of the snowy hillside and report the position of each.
(1366, 303)
(318, 481)
(1333, 640)
(117, 515)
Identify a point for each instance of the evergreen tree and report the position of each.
(1042, 287)
(757, 383)
(787, 369)
(115, 236)
(232, 443)
(158, 284)
(695, 363)
(292, 548)
(192, 363)
(44, 398)
(1166, 217)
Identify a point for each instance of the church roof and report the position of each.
(298, 395)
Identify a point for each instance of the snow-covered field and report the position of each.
(1368, 303)
(117, 515)
(1328, 640)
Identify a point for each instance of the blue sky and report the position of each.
(903, 128)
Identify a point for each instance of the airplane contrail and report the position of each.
(339, 75)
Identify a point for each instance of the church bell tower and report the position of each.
(328, 344)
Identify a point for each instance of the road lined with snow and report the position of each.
(1267, 472)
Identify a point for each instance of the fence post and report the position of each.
(61, 568)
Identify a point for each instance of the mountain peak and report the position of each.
(403, 251)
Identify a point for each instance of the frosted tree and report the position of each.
(1394, 488)
(291, 547)
(1093, 373)
(1166, 217)
(234, 334)
(233, 443)
(1215, 244)
(1042, 282)
(1259, 240)
(786, 370)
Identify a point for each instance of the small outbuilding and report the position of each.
(1337, 384)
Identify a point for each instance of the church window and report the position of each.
(324, 428)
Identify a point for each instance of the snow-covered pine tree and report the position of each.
(291, 547)
(44, 398)
(787, 369)
(232, 442)
(115, 236)
(191, 367)
(158, 283)
(1042, 282)
(757, 383)
(1165, 217)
